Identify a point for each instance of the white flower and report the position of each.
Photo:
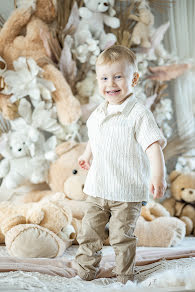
(163, 111)
(167, 130)
(26, 80)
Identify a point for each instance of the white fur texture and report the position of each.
(173, 278)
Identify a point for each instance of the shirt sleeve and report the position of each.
(148, 132)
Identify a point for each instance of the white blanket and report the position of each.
(175, 274)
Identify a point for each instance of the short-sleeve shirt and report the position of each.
(120, 169)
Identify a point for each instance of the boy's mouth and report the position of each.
(112, 91)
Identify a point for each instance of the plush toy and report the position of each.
(155, 227)
(91, 25)
(36, 229)
(22, 35)
(182, 202)
(153, 210)
(65, 175)
(141, 31)
(19, 166)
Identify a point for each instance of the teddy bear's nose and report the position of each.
(105, 4)
(20, 149)
(190, 192)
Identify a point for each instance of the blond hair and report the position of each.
(116, 53)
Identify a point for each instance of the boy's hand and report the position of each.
(84, 162)
(158, 186)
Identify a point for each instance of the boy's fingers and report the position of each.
(83, 164)
(159, 192)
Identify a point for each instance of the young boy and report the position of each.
(126, 146)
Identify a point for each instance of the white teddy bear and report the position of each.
(90, 34)
(18, 167)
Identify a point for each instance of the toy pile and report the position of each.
(48, 90)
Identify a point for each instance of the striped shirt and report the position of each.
(120, 168)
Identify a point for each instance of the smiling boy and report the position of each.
(125, 147)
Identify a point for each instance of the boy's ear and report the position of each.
(135, 79)
(136, 76)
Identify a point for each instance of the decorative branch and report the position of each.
(124, 11)
(161, 5)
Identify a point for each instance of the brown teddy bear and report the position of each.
(141, 31)
(43, 229)
(182, 202)
(65, 175)
(155, 227)
(22, 35)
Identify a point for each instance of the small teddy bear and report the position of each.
(141, 31)
(182, 202)
(91, 25)
(18, 166)
(41, 229)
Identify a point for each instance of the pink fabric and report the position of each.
(66, 268)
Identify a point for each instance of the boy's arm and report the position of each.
(157, 166)
(87, 153)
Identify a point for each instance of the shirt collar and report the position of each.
(125, 110)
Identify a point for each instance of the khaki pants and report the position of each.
(122, 218)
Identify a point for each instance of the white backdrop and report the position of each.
(180, 39)
(6, 6)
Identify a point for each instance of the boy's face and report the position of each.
(115, 81)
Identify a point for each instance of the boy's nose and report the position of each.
(111, 81)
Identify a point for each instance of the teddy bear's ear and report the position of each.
(65, 147)
(174, 174)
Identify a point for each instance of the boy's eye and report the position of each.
(104, 78)
(118, 77)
